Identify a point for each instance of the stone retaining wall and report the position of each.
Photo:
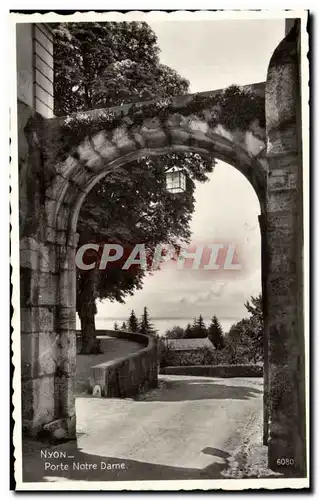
(126, 377)
(223, 371)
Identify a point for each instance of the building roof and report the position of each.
(189, 344)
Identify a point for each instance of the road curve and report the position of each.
(188, 428)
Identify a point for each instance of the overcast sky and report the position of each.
(212, 55)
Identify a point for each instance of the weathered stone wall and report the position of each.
(47, 348)
(285, 329)
(119, 334)
(48, 344)
(126, 377)
(223, 371)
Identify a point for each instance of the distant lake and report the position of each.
(161, 324)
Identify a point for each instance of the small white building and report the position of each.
(189, 344)
(182, 352)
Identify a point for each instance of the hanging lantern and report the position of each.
(175, 180)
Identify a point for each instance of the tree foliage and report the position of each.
(215, 333)
(98, 65)
(256, 324)
(243, 344)
(145, 325)
(188, 331)
(245, 339)
(176, 332)
(133, 323)
(199, 329)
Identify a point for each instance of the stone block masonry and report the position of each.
(127, 377)
(285, 327)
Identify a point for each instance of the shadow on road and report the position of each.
(192, 390)
(133, 470)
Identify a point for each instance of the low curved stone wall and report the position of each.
(126, 377)
(223, 371)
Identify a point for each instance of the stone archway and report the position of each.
(55, 240)
(110, 138)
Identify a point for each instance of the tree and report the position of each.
(215, 333)
(116, 326)
(126, 80)
(133, 323)
(176, 332)
(238, 342)
(199, 329)
(188, 331)
(86, 309)
(145, 325)
(245, 338)
(124, 326)
(256, 325)
(106, 64)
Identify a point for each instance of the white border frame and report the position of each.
(225, 484)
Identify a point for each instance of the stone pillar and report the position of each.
(47, 264)
(264, 274)
(48, 339)
(286, 443)
(38, 288)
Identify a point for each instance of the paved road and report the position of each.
(112, 348)
(189, 428)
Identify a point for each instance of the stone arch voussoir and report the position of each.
(97, 157)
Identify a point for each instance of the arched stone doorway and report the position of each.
(48, 243)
